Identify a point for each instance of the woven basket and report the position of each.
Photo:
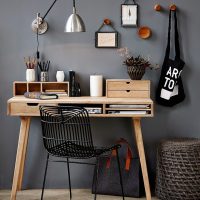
(178, 170)
(135, 73)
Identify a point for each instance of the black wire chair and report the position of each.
(67, 133)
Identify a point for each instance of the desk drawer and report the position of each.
(128, 94)
(128, 85)
(25, 109)
(116, 88)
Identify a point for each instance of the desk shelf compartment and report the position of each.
(19, 88)
(32, 87)
(93, 109)
(55, 86)
(129, 109)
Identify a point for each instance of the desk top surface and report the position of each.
(83, 99)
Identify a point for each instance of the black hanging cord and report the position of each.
(74, 3)
(49, 9)
(38, 44)
(38, 55)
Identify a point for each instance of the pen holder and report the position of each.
(30, 75)
(44, 77)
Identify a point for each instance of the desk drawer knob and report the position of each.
(127, 90)
(127, 82)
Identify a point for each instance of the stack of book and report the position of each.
(39, 95)
(128, 112)
(129, 106)
(60, 93)
(128, 109)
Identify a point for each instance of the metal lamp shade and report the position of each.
(74, 24)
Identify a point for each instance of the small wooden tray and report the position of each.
(144, 32)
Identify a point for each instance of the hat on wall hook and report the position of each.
(173, 7)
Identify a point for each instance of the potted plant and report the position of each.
(136, 66)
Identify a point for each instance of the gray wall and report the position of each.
(77, 52)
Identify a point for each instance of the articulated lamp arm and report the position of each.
(39, 25)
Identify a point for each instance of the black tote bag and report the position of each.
(108, 175)
(170, 89)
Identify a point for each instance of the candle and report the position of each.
(96, 85)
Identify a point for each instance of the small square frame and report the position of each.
(106, 39)
(132, 21)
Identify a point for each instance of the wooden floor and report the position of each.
(59, 195)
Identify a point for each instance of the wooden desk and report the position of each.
(27, 108)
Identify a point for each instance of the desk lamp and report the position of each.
(40, 26)
(74, 22)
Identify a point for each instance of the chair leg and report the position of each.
(96, 178)
(120, 175)
(45, 174)
(69, 179)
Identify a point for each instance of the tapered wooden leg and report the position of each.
(140, 147)
(19, 185)
(20, 157)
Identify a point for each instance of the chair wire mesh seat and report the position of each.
(67, 134)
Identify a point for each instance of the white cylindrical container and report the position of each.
(96, 85)
(30, 75)
(60, 76)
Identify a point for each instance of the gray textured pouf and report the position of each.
(178, 170)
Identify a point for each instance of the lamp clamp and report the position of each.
(39, 25)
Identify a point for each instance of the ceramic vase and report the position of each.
(60, 76)
(30, 75)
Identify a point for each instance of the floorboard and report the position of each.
(77, 194)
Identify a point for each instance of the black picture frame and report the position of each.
(125, 9)
(106, 39)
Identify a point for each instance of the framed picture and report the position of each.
(129, 14)
(106, 39)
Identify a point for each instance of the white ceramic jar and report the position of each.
(30, 75)
(60, 76)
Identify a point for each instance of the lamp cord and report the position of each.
(74, 3)
(49, 9)
(38, 44)
(38, 54)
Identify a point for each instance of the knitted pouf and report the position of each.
(178, 170)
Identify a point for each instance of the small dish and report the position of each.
(144, 32)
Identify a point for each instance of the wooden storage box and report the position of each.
(19, 88)
(125, 88)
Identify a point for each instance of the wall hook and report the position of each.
(107, 21)
(173, 7)
(157, 7)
